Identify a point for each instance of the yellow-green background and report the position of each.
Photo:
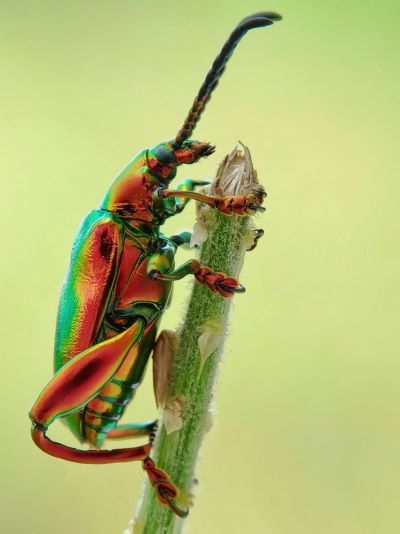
(307, 437)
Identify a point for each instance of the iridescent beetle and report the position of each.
(117, 287)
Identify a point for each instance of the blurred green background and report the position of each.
(307, 435)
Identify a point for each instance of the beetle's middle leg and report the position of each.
(134, 430)
(183, 238)
(216, 281)
(77, 382)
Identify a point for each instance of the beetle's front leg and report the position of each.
(187, 185)
(217, 282)
(229, 205)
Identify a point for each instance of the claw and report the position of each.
(171, 504)
(210, 150)
(218, 282)
(228, 290)
(240, 289)
(257, 235)
(256, 207)
(199, 183)
(153, 432)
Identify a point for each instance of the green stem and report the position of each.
(194, 372)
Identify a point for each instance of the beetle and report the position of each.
(117, 287)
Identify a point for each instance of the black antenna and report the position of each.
(257, 20)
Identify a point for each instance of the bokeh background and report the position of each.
(307, 435)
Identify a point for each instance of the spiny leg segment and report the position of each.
(77, 382)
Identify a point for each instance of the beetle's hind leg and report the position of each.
(77, 382)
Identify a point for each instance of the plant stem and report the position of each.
(194, 368)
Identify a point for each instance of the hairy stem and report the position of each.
(186, 415)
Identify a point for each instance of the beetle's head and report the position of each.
(165, 157)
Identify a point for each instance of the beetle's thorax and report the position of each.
(130, 194)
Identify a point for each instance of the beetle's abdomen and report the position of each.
(103, 412)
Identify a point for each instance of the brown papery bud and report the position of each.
(237, 176)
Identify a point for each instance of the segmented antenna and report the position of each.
(257, 20)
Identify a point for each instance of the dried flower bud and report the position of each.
(237, 176)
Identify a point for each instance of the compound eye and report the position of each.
(164, 156)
